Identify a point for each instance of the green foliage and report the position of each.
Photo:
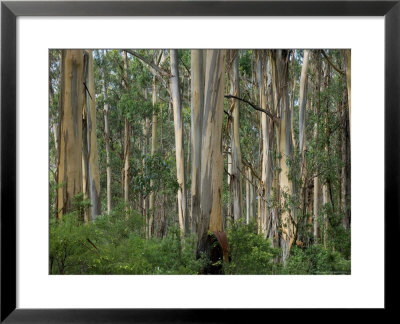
(316, 260)
(132, 106)
(115, 244)
(338, 238)
(250, 252)
(245, 62)
(160, 172)
(68, 245)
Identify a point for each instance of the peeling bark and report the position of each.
(197, 107)
(265, 184)
(71, 103)
(178, 123)
(211, 151)
(279, 60)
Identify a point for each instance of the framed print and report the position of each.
(312, 60)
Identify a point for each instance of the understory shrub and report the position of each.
(250, 253)
(316, 260)
(113, 244)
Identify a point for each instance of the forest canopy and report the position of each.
(221, 161)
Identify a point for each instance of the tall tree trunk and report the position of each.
(153, 151)
(146, 131)
(281, 73)
(127, 142)
(302, 141)
(127, 132)
(72, 97)
(211, 150)
(274, 231)
(107, 144)
(264, 190)
(161, 224)
(236, 157)
(346, 146)
(91, 178)
(317, 184)
(303, 99)
(197, 106)
(325, 187)
(180, 161)
(348, 78)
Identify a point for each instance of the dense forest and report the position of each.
(199, 161)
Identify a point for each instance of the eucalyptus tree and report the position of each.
(346, 184)
(264, 189)
(78, 171)
(197, 110)
(211, 147)
(179, 149)
(127, 140)
(90, 159)
(54, 90)
(235, 153)
(316, 103)
(159, 59)
(106, 109)
(279, 63)
(303, 99)
(154, 99)
(72, 97)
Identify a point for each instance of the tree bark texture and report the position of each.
(71, 104)
(211, 151)
(179, 148)
(197, 107)
(236, 158)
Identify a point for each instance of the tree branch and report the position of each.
(154, 69)
(184, 65)
(274, 118)
(251, 169)
(331, 63)
(149, 63)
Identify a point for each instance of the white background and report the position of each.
(363, 288)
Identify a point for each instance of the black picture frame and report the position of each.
(10, 10)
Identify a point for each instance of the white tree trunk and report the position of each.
(180, 161)
(264, 190)
(197, 107)
(303, 100)
(280, 76)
